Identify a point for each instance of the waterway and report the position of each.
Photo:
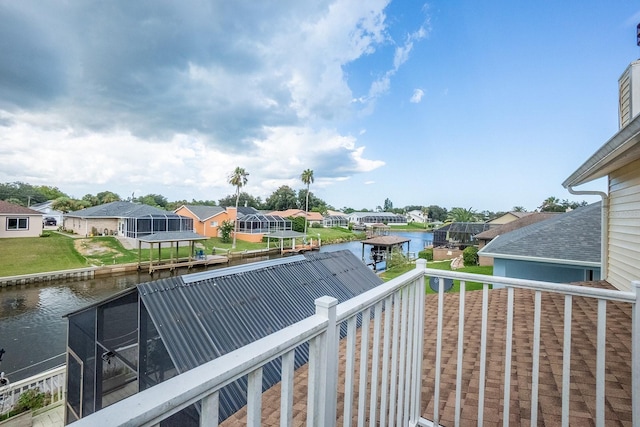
(33, 329)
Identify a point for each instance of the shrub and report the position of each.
(426, 254)
(316, 225)
(297, 224)
(45, 234)
(396, 259)
(225, 230)
(470, 256)
(30, 399)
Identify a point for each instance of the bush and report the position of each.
(225, 230)
(426, 254)
(45, 234)
(30, 399)
(297, 224)
(470, 256)
(396, 259)
(316, 225)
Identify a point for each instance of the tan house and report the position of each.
(509, 217)
(18, 221)
(206, 219)
(312, 217)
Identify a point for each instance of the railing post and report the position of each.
(635, 356)
(326, 307)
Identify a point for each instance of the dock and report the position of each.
(186, 263)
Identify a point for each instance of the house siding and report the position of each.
(84, 226)
(548, 272)
(624, 226)
(34, 226)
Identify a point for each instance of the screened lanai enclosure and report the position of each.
(147, 224)
(157, 330)
(335, 221)
(459, 234)
(257, 223)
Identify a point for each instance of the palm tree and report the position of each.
(307, 178)
(462, 215)
(238, 179)
(425, 215)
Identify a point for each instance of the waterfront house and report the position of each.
(19, 221)
(46, 208)
(370, 218)
(131, 220)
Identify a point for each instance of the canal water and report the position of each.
(33, 329)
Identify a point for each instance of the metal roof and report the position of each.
(200, 320)
(570, 238)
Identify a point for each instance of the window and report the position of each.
(214, 223)
(17, 223)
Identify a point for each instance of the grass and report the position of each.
(38, 254)
(412, 226)
(57, 252)
(441, 265)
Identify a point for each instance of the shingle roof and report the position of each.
(11, 208)
(583, 363)
(204, 212)
(121, 210)
(522, 221)
(571, 236)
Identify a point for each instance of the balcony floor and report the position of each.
(618, 409)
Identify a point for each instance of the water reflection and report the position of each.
(33, 327)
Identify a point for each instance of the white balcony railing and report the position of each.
(378, 369)
(52, 383)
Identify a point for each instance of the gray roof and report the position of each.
(201, 320)
(121, 210)
(204, 212)
(522, 221)
(571, 238)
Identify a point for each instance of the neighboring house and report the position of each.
(169, 326)
(508, 217)
(619, 160)
(369, 218)
(126, 219)
(206, 219)
(18, 221)
(562, 249)
(486, 236)
(458, 234)
(48, 211)
(417, 216)
(312, 217)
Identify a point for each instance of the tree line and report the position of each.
(283, 198)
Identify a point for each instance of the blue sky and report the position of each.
(487, 105)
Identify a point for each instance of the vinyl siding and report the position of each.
(624, 226)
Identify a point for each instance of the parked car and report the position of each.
(50, 221)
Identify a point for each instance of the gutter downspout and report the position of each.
(604, 227)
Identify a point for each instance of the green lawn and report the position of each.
(442, 265)
(38, 254)
(413, 226)
(57, 252)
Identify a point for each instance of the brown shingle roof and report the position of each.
(583, 359)
(529, 219)
(11, 208)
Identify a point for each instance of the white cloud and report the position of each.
(417, 96)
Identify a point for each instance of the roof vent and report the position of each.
(629, 90)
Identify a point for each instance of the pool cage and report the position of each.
(153, 223)
(382, 219)
(458, 234)
(335, 221)
(256, 223)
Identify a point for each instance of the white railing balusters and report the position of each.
(313, 387)
(350, 364)
(535, 368)
(394, 357)
(402, 356)
(411, 293)
(210, 410)
(375, 364)
(507, 358)
(286, 390)
(254, 398)
(463, 286)
(483, 353)
(600, 361)
(364, 359)
(438, 367)
(566, 360)
(384, 392)
(416, 374)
